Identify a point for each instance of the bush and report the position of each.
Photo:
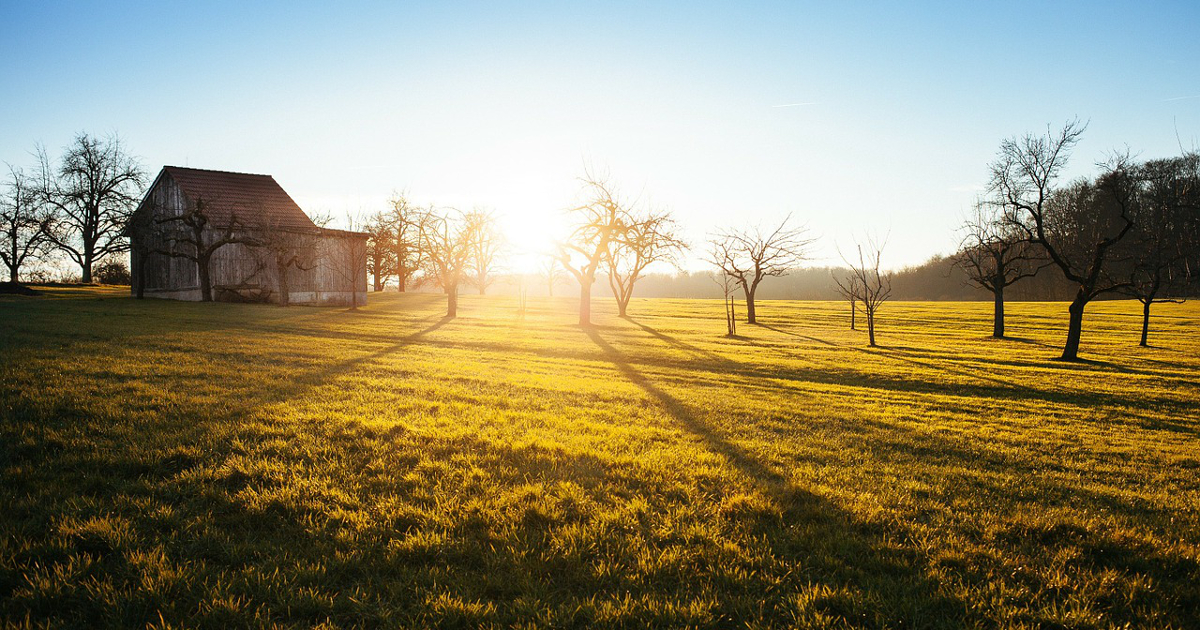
(111, 272)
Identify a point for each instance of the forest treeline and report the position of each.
(937, 279)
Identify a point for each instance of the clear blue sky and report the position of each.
(899, 106)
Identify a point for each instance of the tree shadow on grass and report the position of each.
(886, 585)
(682, 345)
(999, 387)
(1039, 542)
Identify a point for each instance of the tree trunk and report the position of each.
(284, 290)
(378, 283)
(139, 283)
(1074, 327)
(585, 304)
(205, 280)
(452, 302)
(853, 312)
(12, 274)
(401, 282)
(870, 328)
(354, 278)
(998, 312)
(750, 315)
(1146, 323)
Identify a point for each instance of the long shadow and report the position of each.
(881, 352)
(683, 415)
(796, 334)
(862, 568)
(1027, 341)
(851, 377)
(1002, 387)
(319, 377)
(682, 345)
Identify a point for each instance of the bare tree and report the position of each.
(93, 191)
(994, 255)
(23, 223)
(289, 248)
(749, 256)
(192, 236)
(1076, 226)
(408, 224)
(351, 262)
(486, 248)
(381, 250)
(851, 289)
(872, 285)
(728, 286)
(642, 241)
(1161, 249)
(598, 221)
(551, 272)
(448, 240)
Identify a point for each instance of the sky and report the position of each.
(855, 119)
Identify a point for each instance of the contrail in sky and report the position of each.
(1181, 98)
(795, 104)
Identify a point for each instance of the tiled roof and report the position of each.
(256, 200)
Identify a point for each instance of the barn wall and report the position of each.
(166, 275)
(241, 272)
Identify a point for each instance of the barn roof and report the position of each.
(252, 198)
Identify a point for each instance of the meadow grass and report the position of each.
(178, 464)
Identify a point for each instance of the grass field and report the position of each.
(178, 464)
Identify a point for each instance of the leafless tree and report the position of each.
(24, 220)
(728, 286)
(994, 255)
(1076, 226)
(93, 191)
(486, 248)
(448, 238)
(872, 285)
(192, 236)
(1161, 249)
(353, 256)
(597, 222)
(381, 250)
(851, 289)
(408, 224)
(551, 272)
(288, 248)
(642, 241)
(749, 256)
(522, 301)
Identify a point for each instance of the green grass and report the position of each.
(176, 464)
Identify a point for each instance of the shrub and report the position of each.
(112, 272)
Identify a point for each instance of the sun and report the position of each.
(531, 235)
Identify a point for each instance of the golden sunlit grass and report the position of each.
(217, 464)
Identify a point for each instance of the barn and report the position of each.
(239, 237)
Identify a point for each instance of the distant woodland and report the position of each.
(936, 279)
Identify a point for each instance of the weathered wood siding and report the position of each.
(241, 272)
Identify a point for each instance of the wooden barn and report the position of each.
(239, 237)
